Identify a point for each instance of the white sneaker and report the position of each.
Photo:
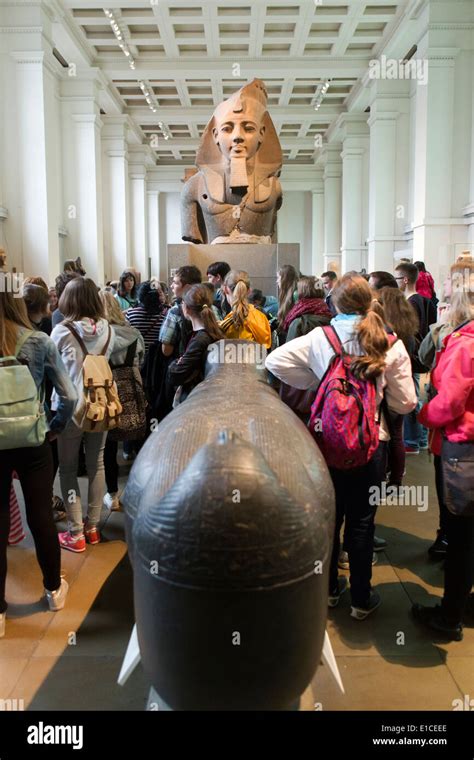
(56, 599)
(112, 502)
(2, 624)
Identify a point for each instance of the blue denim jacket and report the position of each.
(43, 359)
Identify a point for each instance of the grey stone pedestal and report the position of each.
(260, 261)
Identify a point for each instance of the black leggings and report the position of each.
(355, 503)
(35, 471)
(443, 510)
(459, 566)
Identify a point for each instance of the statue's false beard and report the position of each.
(238, 172)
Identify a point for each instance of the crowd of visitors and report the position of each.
(367, 361)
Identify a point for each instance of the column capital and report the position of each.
(116, 153)
(352, 152)
(87, 118)
(141, 156)
(36, 58)
(331, 158)
(350, 125)
(382, 116)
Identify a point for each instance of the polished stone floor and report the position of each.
(71, 659)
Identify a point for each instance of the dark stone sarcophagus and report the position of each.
(229, 515)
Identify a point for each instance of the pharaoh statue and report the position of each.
(235, 195)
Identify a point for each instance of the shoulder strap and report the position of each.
(131, 351)
(333, 339)
(104, 350)
(77, 337)
(22, 340)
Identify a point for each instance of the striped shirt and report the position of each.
(148, 324)
(17, 533)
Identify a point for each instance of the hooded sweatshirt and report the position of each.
(452, 409)
(303, 361)
(94, 334)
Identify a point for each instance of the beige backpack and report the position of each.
(99, 406)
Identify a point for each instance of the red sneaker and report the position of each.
(92, 534)
(72, 543)
(411, 450)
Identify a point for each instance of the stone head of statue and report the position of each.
(239, 127)
(240, 130)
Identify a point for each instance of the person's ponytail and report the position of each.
(373, 340)
(210, 323)
(239, 284)
(198, 300)
(240, 304)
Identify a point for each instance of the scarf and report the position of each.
(306, 306)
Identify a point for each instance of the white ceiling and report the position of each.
(187, 53)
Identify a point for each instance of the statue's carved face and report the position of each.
(238, 136)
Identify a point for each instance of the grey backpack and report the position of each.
(22, 415)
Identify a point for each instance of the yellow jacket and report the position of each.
(256, 327)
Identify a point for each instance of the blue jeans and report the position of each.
(414, 434)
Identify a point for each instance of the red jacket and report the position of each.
(425, 285)
(453, 377)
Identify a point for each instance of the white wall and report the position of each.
(172, 218)
(294, 224)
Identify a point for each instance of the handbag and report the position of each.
(457, 462)
(132, 424)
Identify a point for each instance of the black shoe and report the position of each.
(469, 612)
(440, 546)
(432, 617)
(336, 593)
(360, 613)
(379, 544)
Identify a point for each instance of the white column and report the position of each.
(443, 202)
(83, 173)
(154, 231)
(138, 209)
(468, 210)
(89, 234)
(332, 207)
(434, 230)
(317, 235)
(37, 167)
(116, 196)
(382, 188)
(355, 146)
(30, 133)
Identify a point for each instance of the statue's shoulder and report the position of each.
(192, 185)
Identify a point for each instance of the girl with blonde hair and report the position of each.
(244, 322)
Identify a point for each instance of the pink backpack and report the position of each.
(344, 413)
